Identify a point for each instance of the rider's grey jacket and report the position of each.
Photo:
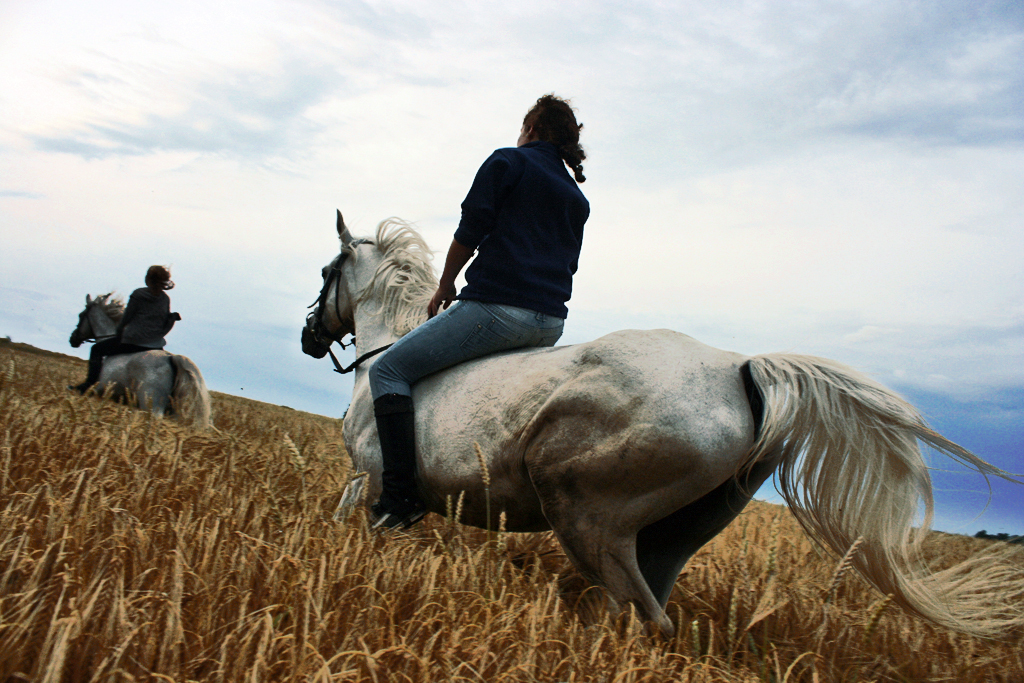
(147, 318)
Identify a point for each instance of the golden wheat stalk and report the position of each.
(502, 535)
(773, 554)
(458, 508)
(486, 474)
(297, 460)
(875, 616)
(845, 564)
(731, 627)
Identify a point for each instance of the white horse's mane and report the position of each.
(404, 281)
(113, 307)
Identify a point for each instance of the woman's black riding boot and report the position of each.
(95, 367)
(400, 503)
(93, 374)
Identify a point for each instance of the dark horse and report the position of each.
(157, 380)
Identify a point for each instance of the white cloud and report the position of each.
(870, 333)
(778, 175)
(253, 115)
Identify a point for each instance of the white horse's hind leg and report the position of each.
(664, 547)
(641, 567)
(606, 557)
(151, 377)
(157, 402)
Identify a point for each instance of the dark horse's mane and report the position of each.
(113, 307)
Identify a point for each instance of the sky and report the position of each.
(837, 178)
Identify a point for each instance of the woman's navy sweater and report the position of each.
(524, 215)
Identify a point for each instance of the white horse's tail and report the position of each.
(190, 395)
(851, 468)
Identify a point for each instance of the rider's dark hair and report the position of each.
(554, 120)
(160, 276)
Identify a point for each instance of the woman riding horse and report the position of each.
(524, 217)
(146, 321)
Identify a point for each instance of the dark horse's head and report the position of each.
(83, 331)
(98, 320)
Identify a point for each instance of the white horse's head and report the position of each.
(334, 315)
(98, 320)
(392, 273)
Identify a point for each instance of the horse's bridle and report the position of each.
(81, 340)
(316, 341)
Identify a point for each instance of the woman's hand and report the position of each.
(458, 256)
(442, 299)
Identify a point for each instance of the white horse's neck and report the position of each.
(371, 330)
(102, 326)
(367, 290)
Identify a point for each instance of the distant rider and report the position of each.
(147, 319)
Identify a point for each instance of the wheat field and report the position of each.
(139, 549)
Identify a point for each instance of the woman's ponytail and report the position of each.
(554, 120)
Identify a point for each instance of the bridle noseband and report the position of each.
(316, 341)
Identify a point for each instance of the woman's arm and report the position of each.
(458, 257)
(129, 313)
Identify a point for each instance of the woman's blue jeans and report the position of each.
(466, 330)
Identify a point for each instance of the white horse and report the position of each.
(639, 447)
(156, 380)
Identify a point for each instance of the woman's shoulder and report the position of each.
(146, 295)
(503, 155)
(525, 151)
(504, 162)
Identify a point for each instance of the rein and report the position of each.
(369, 354)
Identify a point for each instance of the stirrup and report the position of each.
(391, 520)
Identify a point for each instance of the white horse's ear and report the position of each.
(343, 232)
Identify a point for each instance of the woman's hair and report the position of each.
(554, 120)
(160, 276)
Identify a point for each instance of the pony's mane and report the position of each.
(112, 307)
(404, 281)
